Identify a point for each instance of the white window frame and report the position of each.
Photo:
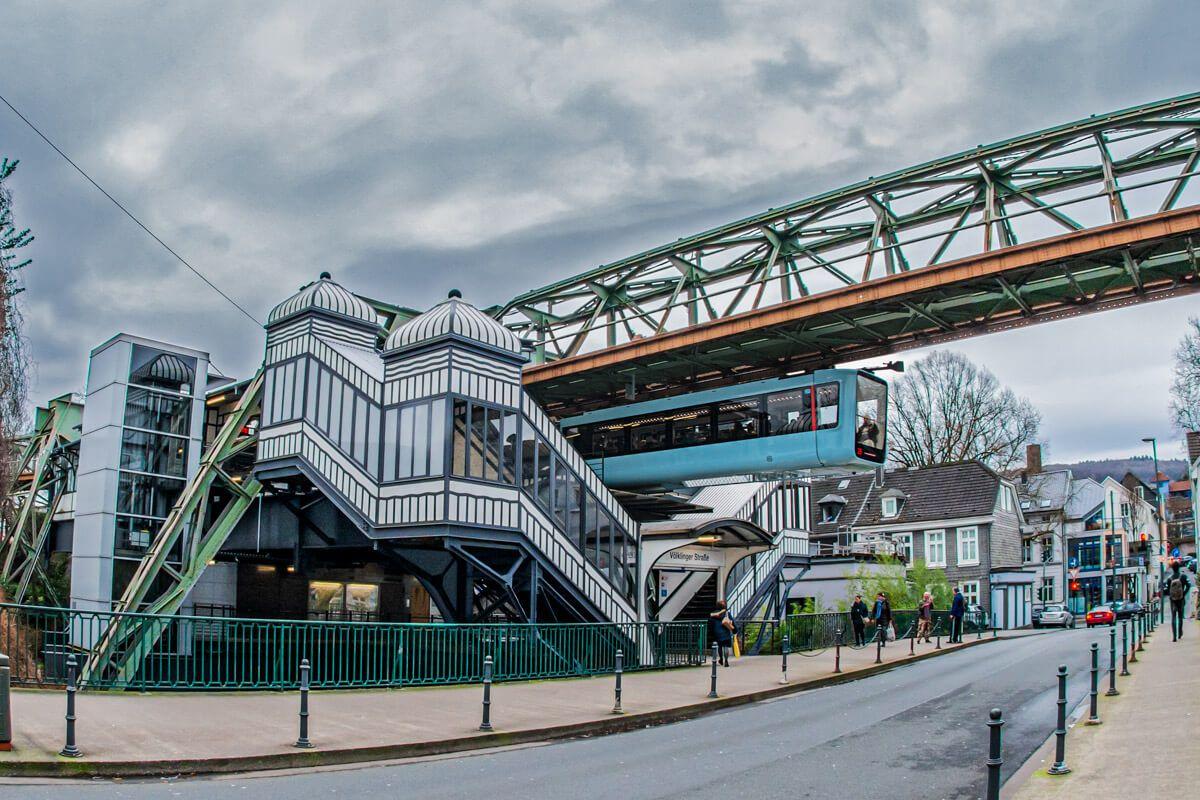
(904, 544)
(940, 535)
(966, 559)
(826, 516)
(890, 506)
(970, 592)
(1027, 551)
(1006, 501)
(1043, 595)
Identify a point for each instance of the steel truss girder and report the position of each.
(35, 500)
(129, 639)
(875, 228)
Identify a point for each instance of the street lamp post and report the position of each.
(1162, 517)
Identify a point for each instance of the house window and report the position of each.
(1006, 502)
(1046, 590)
(968, 546)
(1026, 550)
(890, 506)
(904, 546)
(970, 592)
(830, 512)
(935, 548)
(1047, 550)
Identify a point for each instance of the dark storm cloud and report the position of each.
(497, 147)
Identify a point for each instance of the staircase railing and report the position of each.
(786, 544)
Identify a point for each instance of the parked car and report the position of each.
(1053, 614)
(1126, 608)
(1100, 615)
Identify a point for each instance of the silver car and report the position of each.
(1053, 614)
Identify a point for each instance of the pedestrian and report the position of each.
(925, 617)
(882, 616)
(858, 614)
(1177, 589)
(958, 609)
(721, 628)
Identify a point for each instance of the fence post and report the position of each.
(712, 692)
(617, 689)
(5, 704)
(486, 724)
(995, 761)
(69, 749)
(1124, 648)
(1094, 692)
(303, 740)
(787, 646)
(837, 653)
(1060, 744)
(1112, 663)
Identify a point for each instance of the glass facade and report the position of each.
(154, 454)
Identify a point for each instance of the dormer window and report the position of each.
(831, 506)
(891, 506)
(891, 502)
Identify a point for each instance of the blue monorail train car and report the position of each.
(827, 418)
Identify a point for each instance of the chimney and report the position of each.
(1193, 445)
(1033, 459)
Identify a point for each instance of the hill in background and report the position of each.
(1142, 466)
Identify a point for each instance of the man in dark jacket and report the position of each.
(1177, 589)
(858, 613)
(958, 610)
(720, 629)
(882, 616)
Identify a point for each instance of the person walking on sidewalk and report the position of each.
(925, 617)
(1177, 589)
(958, 610)
(720, 628)
(858, 615)
(882, 615)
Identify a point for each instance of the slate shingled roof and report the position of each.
(953, 491)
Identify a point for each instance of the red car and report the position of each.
(1100, 615)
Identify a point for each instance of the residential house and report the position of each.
(1045, 498)
(963, 518)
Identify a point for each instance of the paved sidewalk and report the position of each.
(161, 733)
(1146, 744)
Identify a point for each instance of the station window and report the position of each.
(485, 442)
(343, 601)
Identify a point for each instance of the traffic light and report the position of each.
(1144, 537)
(1074, 586)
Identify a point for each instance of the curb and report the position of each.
(66, 768)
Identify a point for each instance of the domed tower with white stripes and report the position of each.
(436, 460)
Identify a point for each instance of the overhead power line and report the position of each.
(130, 214)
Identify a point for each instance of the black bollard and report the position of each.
(787, 646)
(995, 631)
(303, 740)
(1060, 744)
(1124, 649)
(937, 629)
(5, 704)
(878, 647)
(1112, 663)
(486, 725)
(617, 690)
(1141, 631)
(978, 628)
(1094, 691)
(69, 749)
(712, 692)
(912, 643)
(837, 653)
(994, 762)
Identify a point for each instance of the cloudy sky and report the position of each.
(413, 147)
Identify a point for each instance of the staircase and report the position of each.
(755, 594)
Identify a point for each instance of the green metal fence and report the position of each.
(213, 653)
(820, 631)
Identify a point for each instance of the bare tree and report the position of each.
(946, 409)
(14, 364)
(1185, 388)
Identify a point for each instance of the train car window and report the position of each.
(648, 436)
(737, 420)
(692, 427)
(789, 412)
(827, 406)
(608, 441)
(870, 419)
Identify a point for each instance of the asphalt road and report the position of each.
(915, 732)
